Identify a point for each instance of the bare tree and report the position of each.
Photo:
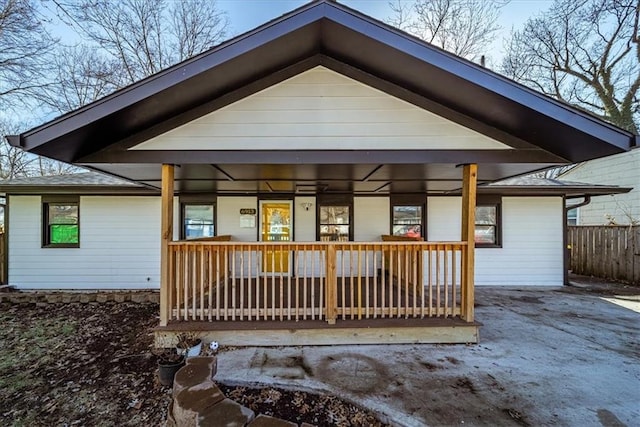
(80, 75)
(197, 25)
(463, 27)
(146, 36)
(586, 53)
(14, 162)
(24, 51)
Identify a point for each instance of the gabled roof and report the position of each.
(541, 131)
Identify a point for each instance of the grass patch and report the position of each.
(25, 343)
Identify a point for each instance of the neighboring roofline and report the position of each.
(89, 182)
(582, 164)
(569, 192)
(83, 190)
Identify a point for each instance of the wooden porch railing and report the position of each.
(236, 281)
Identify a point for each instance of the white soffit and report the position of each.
(320, 109)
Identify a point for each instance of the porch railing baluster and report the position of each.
(217, 281)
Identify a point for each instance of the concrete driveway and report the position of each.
(547, 356)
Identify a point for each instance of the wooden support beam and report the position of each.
(331, 299)
(166, 236)
(469, 183)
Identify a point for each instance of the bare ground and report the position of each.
(91, 364)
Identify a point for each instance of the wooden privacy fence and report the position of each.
(606, 251)
(225, 281)
(3, 258)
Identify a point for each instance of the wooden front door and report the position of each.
(276, 225)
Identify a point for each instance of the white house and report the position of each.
(619, 169)
(323, 178)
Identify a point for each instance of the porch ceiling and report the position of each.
(540, 131)
(314, 178)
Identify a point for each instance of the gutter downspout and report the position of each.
(567, 248)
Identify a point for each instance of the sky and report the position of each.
(247, 14)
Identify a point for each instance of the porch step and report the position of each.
(318, 332)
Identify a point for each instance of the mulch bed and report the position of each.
(91, 364)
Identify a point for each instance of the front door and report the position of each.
(276, 225)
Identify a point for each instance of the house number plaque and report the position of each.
(248, 218)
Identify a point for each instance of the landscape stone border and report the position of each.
(79, 297)
(197, 401)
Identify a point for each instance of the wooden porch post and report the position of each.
(331, 299)
(166, 236)
(469, 181)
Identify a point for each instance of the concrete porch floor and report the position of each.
(547, 356)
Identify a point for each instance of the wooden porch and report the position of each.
(316, 293)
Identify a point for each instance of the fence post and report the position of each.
(331, 299)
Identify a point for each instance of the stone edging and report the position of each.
(79, 297)
(197, 401)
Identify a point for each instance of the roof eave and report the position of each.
(14, 140)
(567, 191)
(606, 138)
(23, 190)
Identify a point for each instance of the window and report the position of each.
(335, 218)
(572, 216)
(407, 216)
(488, 223)
(198, 220)
(61, 222)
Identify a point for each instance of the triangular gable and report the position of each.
(541, 130)
(321, 108)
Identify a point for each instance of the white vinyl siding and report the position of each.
(371, 218)
(228, 212)
(531, 252)
(120, 240)
(620, 169)
(320, 108)
(119, 246)
(304, 221)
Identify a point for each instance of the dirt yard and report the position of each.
(91, 364)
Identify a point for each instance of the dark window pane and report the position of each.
(63, 214)
(334, 215)
(407, 221)
(198, 221)
(485, 234)
(486, 215)
(407, 214)
(572, 217)
(63, 234)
